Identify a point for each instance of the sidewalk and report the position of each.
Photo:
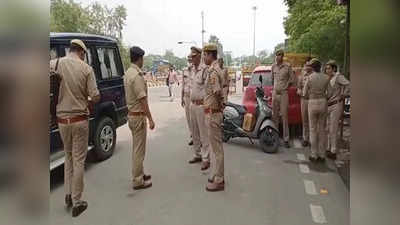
(343, 159)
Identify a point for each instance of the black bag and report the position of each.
(55, 80)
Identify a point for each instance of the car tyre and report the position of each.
(105, 138)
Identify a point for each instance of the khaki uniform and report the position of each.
(201, 144)
(338, 87)
(316, 88)
(186, 86)
(78, 82)
(282, 77)
(304, 105)
(135, 89)
(226, 82)
(213, 107)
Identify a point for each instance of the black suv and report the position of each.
(108, 114)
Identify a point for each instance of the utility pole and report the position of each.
(202, 29)
(254, 35)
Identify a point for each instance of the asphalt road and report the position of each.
(261, 189)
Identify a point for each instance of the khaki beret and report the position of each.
(314, 61)
(280, 52)
(210, 47)
(79, 43)
(331, 63)
(195, 51)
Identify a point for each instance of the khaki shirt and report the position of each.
(316, 86)
(301, 81)
(186, 81)
(213, 98)
(282, 76)
(135, 88)
(198, 75)
(78, 82)
(337, 87)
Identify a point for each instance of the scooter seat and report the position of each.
(240, 108)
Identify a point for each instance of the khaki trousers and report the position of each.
(280, 103)
(187, 102)
(75, 138)
(304, 118)
(201, 143)
(317, 111)
(334, 114)
(213, 121)
(138, 126)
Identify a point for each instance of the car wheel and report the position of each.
(105, 137)
(269, 140)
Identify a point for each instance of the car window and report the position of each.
(107, 59)
(267, 79)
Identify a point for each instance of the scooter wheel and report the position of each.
(269, 141)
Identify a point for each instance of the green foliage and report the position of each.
(315, 26)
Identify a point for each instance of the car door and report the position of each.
(110, 76)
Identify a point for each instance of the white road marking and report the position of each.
(310, 187)
(317, 214)
(297, 143)
(301, 157)
(304, 168)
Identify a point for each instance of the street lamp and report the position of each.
(254, 36)
(187, 42)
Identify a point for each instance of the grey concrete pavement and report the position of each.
(261, 189)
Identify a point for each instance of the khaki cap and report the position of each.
(195, 51)
(79, 43)
(210, 47)
(331, 63)
(280, 52)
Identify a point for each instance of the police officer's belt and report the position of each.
(72, 119)
(333, 102)
(198, 102)
(136, 114)
(209, 110)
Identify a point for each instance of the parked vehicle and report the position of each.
(238, 123)
(249, 97)
(111, 112)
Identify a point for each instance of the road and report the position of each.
(261, 189)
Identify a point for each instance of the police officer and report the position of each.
(304, 103)
(185, 94)
(172, 79)
(338, 89)
(316, 88)
(78, 84)
(213, 106)
(138, 114)
(201, 145)
(282, 78)
(226, 80)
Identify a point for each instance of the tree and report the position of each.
(67, 17)
(314, 26)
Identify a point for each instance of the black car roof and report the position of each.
(82, 36)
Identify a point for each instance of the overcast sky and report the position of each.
(157, 25)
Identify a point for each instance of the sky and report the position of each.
(158, 25)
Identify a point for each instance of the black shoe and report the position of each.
(68, 201)
(305, 143)
(286, 144)
(195, 160)
(331, 155)
(313, 159)
(146, 177)
(191, 142)
(79, 208)
(321, 159)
